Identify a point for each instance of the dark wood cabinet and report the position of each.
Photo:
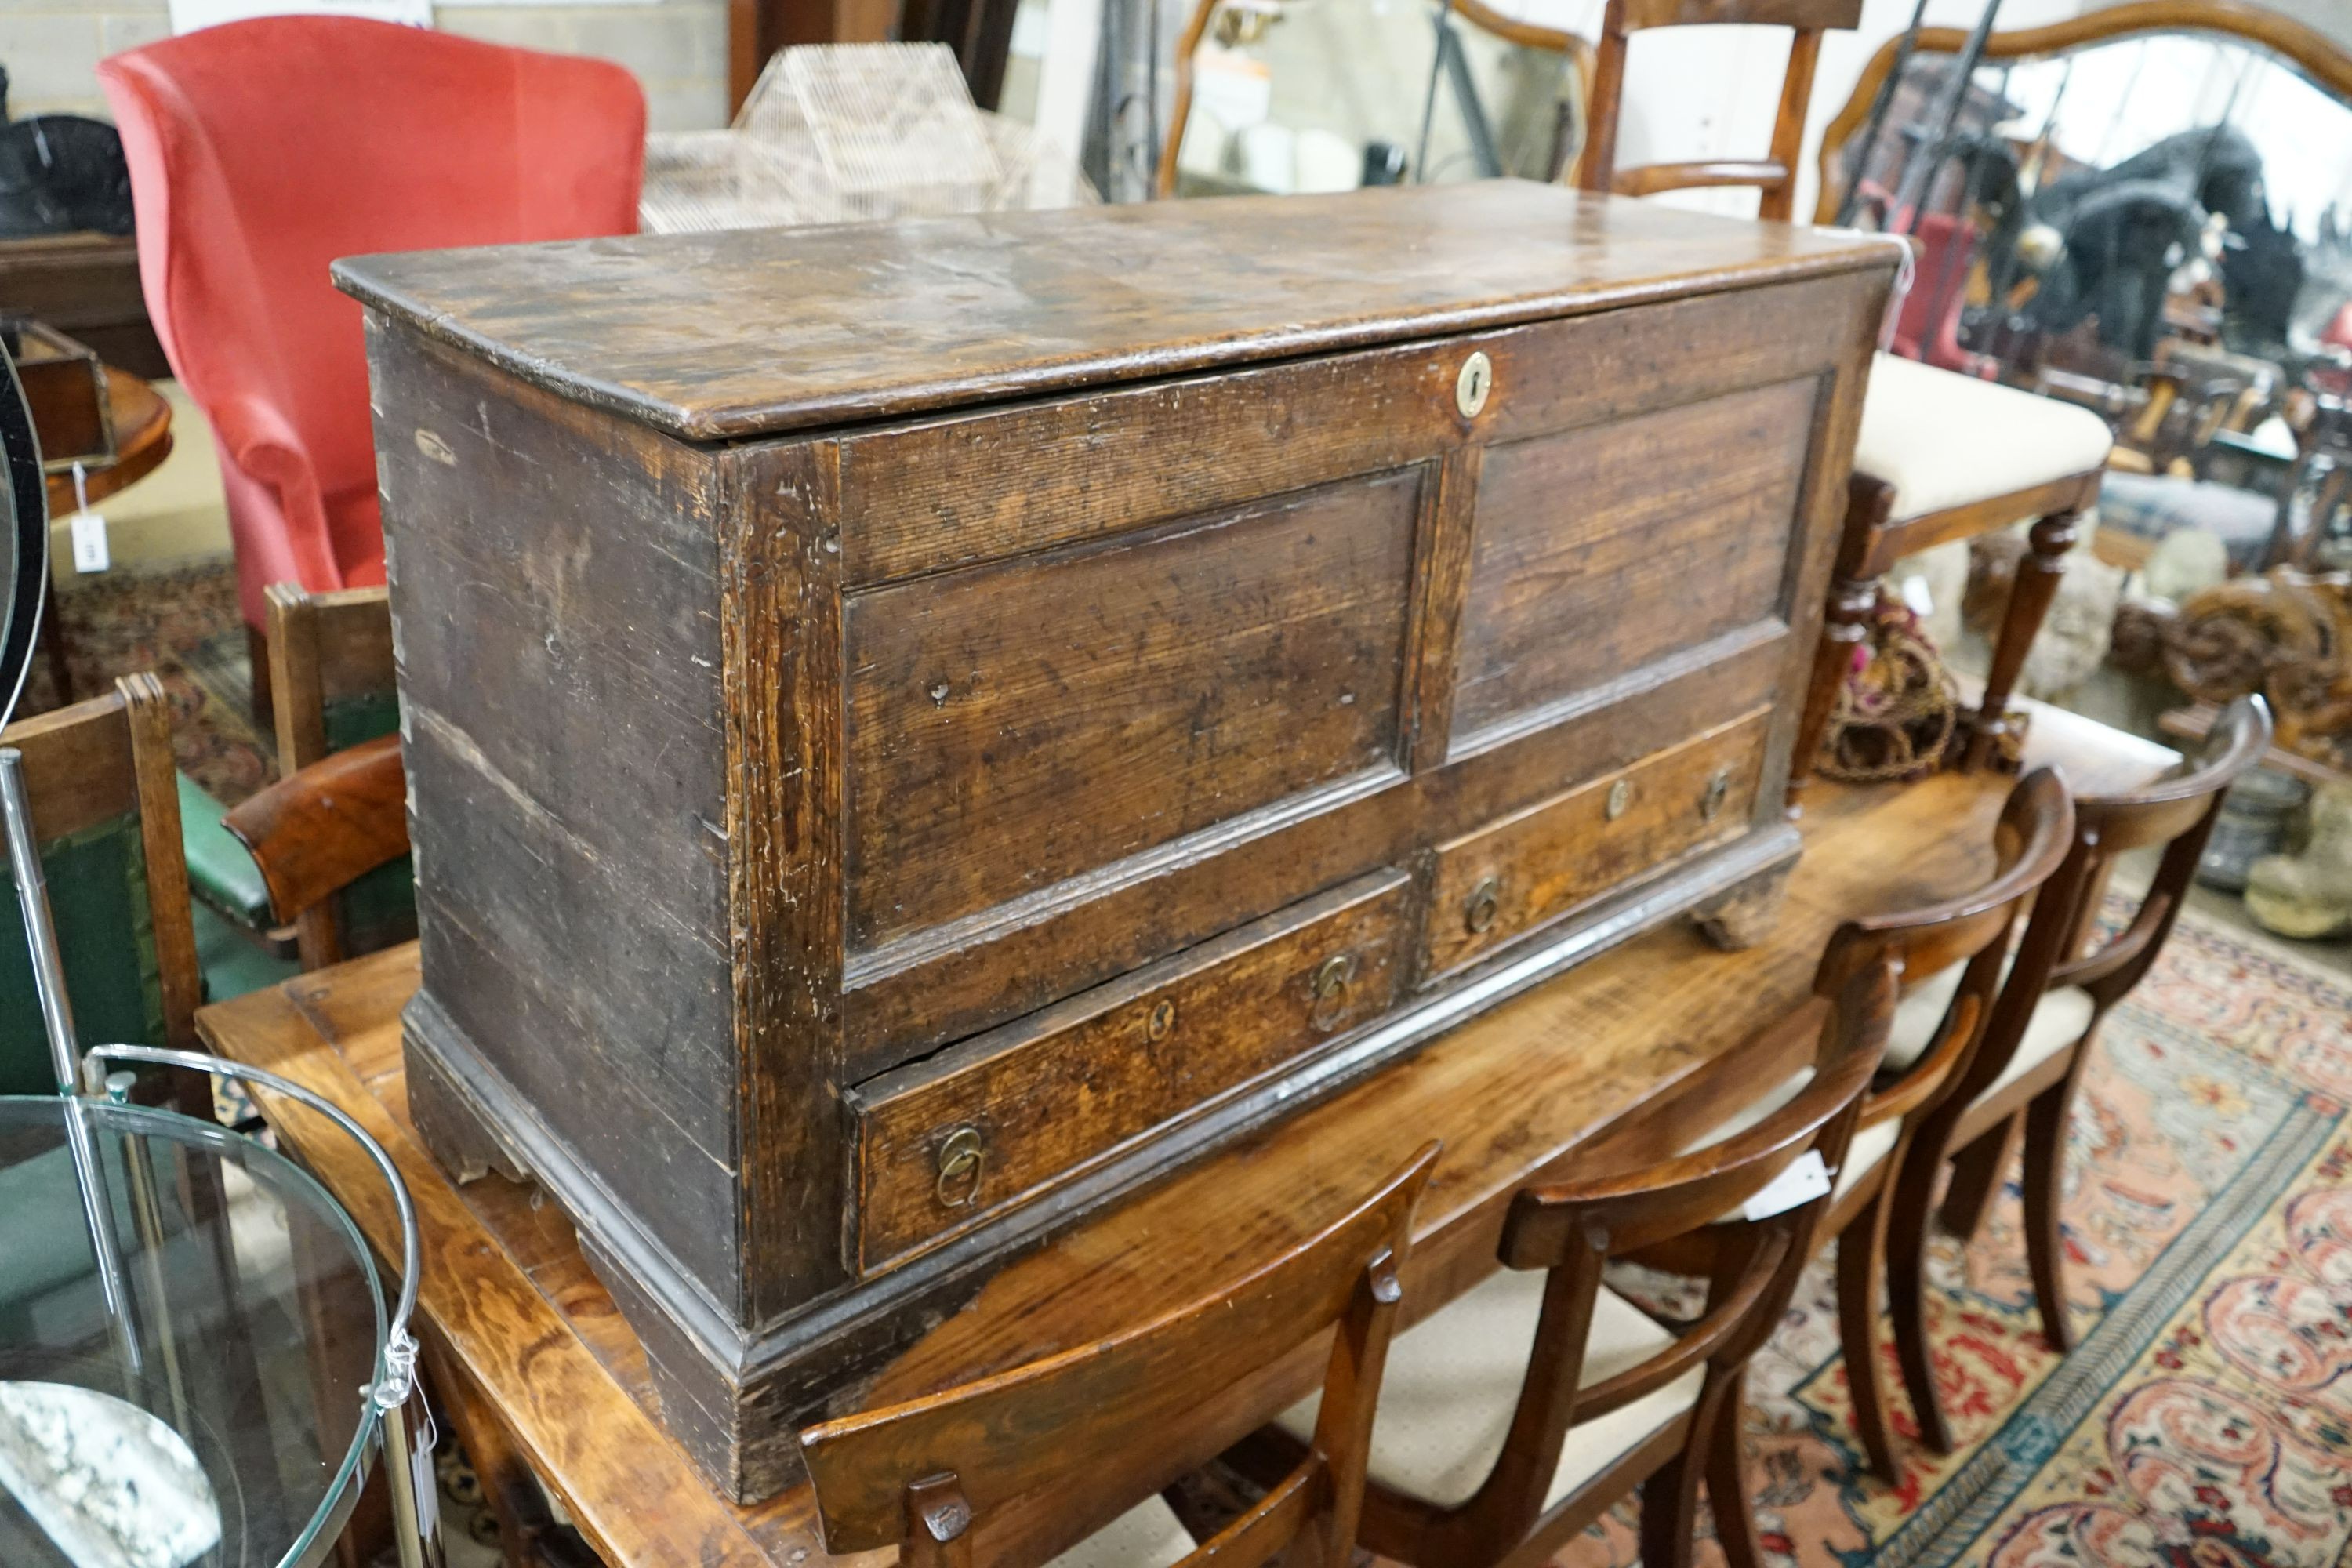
(916, 730)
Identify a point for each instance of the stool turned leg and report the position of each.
(1842, 630)
(2029, 601)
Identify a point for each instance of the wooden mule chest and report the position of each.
(916, 730)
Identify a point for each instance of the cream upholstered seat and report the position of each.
(2059, 1020)
(1868, 1146)
(1943, 440)
(1454, 1379)
(1145, 1536)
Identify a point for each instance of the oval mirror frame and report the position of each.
(23, 541)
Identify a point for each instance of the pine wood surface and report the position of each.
(1646, 1031)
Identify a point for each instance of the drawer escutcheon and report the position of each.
(1474, 383)
(1620, 795)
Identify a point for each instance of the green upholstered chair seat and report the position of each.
(220, 872)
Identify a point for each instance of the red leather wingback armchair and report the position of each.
(262, 151)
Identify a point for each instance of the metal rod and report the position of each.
(40, 932)
(1429, 101)
(417, 1547)
(1878, 107)
(56, 1021)
(1921, 168)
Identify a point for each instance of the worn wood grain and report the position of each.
(1495, 885)
(1013, 726)
(753, 332)
(1041, 1097)
(1579, 537)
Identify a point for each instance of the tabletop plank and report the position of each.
(1661, 1021)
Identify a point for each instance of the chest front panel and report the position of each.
(1511, 648)
(1016, 724)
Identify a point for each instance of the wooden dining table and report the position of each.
(1659, 1036)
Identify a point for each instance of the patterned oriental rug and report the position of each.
(2205, 1417)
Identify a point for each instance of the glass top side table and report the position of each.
(192, 1337)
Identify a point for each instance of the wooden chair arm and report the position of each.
(316, 831)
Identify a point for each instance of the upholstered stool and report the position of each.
(1942, 456)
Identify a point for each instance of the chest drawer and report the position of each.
(1507, 878)
(944, 1143)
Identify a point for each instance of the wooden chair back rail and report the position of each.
(1547, 1225)
(316, 831)
(2051, 953)
(1775, 176)
(1525, 35)
(2323, 60)
(2036, 828)
(324, 647)
(922, 1473)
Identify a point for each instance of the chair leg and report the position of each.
(1670, 1497)
(1976, 1172)
(1907, 1286)
(2029, 601)
(1861, 1261)
(2045, 1178)
(1842, 631)
(1727, 1491)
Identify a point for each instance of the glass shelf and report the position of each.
(189, 1344)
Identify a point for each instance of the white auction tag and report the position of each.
(1806, 1178)
(1916, 594)
(90, 551)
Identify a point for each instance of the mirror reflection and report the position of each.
(1325, 95)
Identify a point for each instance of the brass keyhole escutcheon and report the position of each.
(1620, 795)
(1484, 903)
(1330, 987)
(962, 1156)
(1718, 789)
(1162, 1019)
(1473, 384)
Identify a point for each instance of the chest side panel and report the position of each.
(553, 577)
(1013, 725)
(1601, 551)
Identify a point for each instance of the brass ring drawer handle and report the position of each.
(1718, 789)
(1620, 795)
(1330, 988)
(963, 1157)
(1484, 904)
(1161, 1021)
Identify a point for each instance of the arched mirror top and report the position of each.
(1304, 95)
(2172, 36)
(2159, 187)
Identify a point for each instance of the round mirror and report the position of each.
(23, 541)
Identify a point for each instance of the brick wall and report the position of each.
(677, 47)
